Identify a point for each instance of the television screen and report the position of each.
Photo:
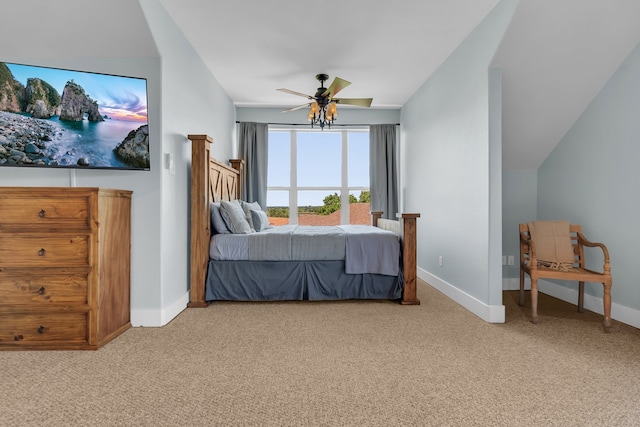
(51, 117)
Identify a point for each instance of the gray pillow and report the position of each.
(234, 217)
(260, 220)
(247, 207)
(219, 227)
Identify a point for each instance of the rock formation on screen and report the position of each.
(23, 140)
(12, 92)
(134, 149)
(75, 103)
(42, 99)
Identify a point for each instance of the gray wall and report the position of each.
(591, 178)
(192, 102)
(519, 206)
(447, 143)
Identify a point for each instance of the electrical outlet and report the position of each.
(511, 260)
(440, 260)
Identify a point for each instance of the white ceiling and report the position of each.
(386, 49)
(555, 56)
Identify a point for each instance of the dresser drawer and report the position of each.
(43, 289)
(28, 328)
(51, 250)
(43, 212)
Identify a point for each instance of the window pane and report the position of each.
(358, 159)
(319, 166)
(315, 198)
(359, 211)
(279, 167)
(319, 207)
(278, 207)
(277, 198)
(319, 159)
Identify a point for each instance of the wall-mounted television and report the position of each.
(57, 118)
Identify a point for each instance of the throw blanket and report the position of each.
(552, 241)
(371, 250)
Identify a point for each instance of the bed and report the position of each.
(291, 272)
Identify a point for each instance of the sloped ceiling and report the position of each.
(74, 29)
(555, 57)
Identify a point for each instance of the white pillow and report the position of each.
(234, 217)
(247, 207)
(260, 220)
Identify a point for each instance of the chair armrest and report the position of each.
(586, 242)
(606, 268)
(526, 241)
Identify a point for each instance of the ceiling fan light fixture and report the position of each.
(322, 115)
(323, 109)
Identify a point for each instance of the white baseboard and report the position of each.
(629, 316)
(511, 284)
(488, 313)
(160, 317)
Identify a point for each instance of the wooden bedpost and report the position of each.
(375, 216)
(405, 227)
(409, 259)
(238, 164)
(200, 214)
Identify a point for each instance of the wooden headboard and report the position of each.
(211, 181)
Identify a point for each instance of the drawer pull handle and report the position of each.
(42, 213)
(18, 337)
(41, 330)
(41, 291)
(41, 252)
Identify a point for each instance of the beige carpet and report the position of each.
(338, 364)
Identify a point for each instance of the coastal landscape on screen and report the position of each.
(51, 117)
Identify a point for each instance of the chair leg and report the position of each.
(580, 297)
(521, 301)
(606, 300)
(534, 300)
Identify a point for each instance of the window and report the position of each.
(318, 177)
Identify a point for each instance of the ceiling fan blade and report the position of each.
(336, 86)
(361, 102)
(297, 108)
(293, 92)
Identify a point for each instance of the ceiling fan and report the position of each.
(322, 105)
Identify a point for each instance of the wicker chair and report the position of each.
(529, 265)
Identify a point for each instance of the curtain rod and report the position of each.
(318, 127)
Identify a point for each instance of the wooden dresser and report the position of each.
(64, 267)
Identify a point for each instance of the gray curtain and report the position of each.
(252, 138)
(383, 170)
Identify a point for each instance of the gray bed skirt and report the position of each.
(295, 280)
